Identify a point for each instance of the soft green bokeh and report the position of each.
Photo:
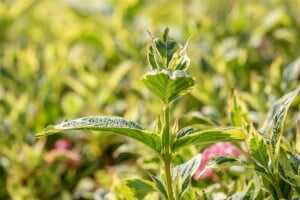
(72, 58)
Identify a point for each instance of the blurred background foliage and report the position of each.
(71, 58)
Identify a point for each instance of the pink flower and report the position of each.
(214, 150)
(63, 148)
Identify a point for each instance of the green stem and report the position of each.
(166, 133)
(167, 154)
(169, 179)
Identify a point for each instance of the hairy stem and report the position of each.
(167, 154)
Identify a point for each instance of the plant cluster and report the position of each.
(64, 59)
(277, 167)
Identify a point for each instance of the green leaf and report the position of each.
(253, 190)
(238, 111)
(187, 169)
(180, 60)
(219, 134)
(279, 118)
(164, 52)
(282, 102)
(185, 131)
(185, 187)
(181, 175)
(136, 188)
(225, 161)
(286, 170)
(160, 186)
(111, 124)
(168, 85)
(295, 162)
(258, 148)
(153, 59)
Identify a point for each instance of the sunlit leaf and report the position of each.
(238, 111)
(285, 101)
(279, 118)
(188, 168)
(162, 50)
(168, 85)
(182, 175)
(136, 188)
(219, 134)
(165, 52)
(111, 124)
(258, 148)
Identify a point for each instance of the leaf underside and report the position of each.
(188, 168)
(110, 124)
(279, 118)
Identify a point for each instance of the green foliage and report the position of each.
(167, 85)
(267, 153)
(87, 60)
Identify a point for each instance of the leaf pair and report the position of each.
(165, 53)
(150, 138)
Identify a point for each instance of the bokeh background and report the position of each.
(71, 58)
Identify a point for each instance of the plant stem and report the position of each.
(169, 179)
(167, 154)
(166, 133)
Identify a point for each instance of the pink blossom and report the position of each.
(218, 149)
(63, 148)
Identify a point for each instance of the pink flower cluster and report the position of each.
(214, 150)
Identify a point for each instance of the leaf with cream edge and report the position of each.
(168, 85)
(182, 175)
(225, 162)
(161, 50)
(110, 124)
(279, 118)
(135, 189)
(220, 134)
